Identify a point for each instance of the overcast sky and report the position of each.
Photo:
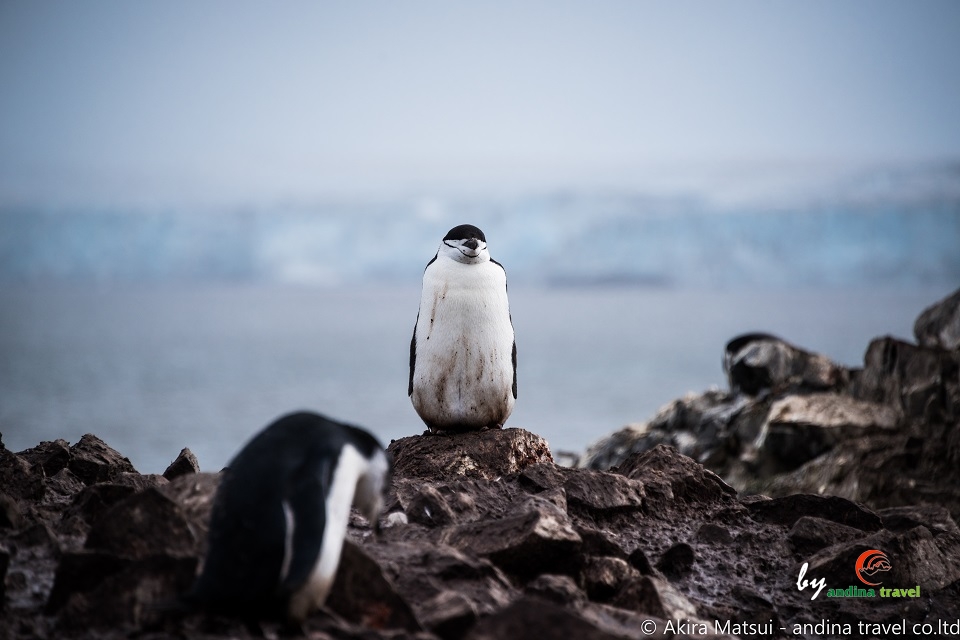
(117, 102)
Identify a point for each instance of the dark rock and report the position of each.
(458, 502)
(34, 551)
(787, 510)
(49, 456)
(655, 596)
(93, 500)
(761, 362)
(602, 576)
(540, 477)
(639, 561)
(533, 616)
(560, 589)
(794, 422)
(810, 534)
(4, 565)
(362, 594)
(134, 596)
(80, 572)
(18, 479)
(420, 572)
(918, 382)
(939, 325)
(669, 477)
(696, 425)
(616, 447)
(185, 463)
(427, 507)
(800, 428)
(92, 460)
(449, 615)
(677, 561)
(881, 471)
(598, 492)
(61, 489)
(140, 482)
(38, 535)
(145, 524)
(10, 517)
(597, 543)
(713, 534)
(935, 518)
(538, 537)
(486, 454)
(193, 494)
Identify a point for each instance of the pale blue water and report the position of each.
(154, 370)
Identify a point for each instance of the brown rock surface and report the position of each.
(539, 550)
(886, 434)
(486, 537)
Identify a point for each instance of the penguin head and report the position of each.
(371, 486)
(465, 243)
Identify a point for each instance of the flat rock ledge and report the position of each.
(484, 537)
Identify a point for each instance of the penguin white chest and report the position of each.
(350, 468)
(464, 376)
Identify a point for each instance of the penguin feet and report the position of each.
(437, 431)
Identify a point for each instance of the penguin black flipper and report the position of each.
(413, 355)
(413, 340)
(306, 521)
(513, 354)
(513, 357)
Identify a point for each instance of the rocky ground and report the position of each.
(486, 537)
(885, 434)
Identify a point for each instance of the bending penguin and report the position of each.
(280, 517)
(463, 355)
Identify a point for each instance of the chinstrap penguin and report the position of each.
(463, 355)
(280, 517)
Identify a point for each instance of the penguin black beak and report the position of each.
(471, 244)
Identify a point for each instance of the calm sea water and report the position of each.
(152, 371)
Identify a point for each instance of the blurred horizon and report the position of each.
(889, 227)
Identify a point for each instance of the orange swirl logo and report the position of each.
(870, 563)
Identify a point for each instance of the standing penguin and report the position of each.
(463, 356)
(280, 517)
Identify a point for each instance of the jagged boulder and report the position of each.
(477, 454)
(799, 428)
(759, 362)
(939, 325)
(886, 434)
(185, 463)
(921, 383)
(92, 460)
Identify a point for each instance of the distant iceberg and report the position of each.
(898, 229)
